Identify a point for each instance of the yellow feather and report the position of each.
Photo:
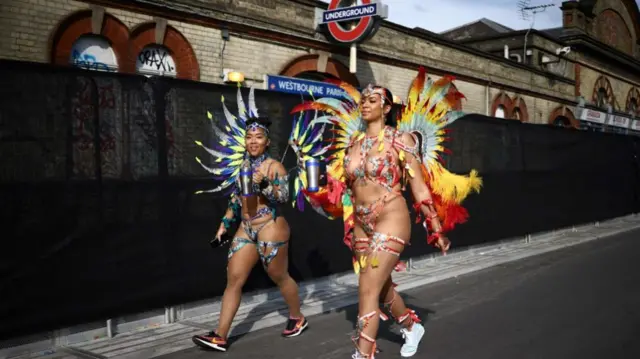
(363, 261)
(198, 160)
(199, 192)
(307, 148)
(224, 142)
(209, 115)
(411, 172)
(296, 188)
(198, 143)
(452, 187)
(236, 156)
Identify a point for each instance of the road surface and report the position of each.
(580, 302)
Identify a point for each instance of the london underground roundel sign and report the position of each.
(366, 15)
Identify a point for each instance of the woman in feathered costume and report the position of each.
(371, 164)
(263, 233)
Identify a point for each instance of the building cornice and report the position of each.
(517, 33)
(586, 42)
(581, 39)
(212, 18)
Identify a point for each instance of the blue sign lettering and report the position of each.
(303, 87)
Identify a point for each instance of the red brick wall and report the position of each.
(612, 30)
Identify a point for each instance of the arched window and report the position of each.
(517, 114)
(502, 106)
(310, 65)
(563, 117)
(156, 60)
(562, 121)
(315, 76)
(75, 43)
(173, 56)
(602, 93)
(93, 52)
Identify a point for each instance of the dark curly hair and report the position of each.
(390, 118)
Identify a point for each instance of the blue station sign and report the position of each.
(303, 87)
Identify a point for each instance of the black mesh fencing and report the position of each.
(101, 218)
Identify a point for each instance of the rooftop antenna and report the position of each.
(529, 12)
(522, 4)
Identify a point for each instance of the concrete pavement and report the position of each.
(147, 336)
(579, 302)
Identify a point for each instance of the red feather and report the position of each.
(321, 199)
(302, 107)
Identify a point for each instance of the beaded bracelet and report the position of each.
(227, 222)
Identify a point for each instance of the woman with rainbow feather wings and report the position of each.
(263, 233)
(369, 167)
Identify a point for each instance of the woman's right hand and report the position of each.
(221, 231)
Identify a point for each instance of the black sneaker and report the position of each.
(211, 341)
(295, 327)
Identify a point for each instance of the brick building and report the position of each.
(502, 72)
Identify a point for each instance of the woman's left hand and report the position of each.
(258, 176)
(272, 175)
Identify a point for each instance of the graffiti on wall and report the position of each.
(109, 104)
(156, 60)
(88, 62)
(144, 139)
(91, 52)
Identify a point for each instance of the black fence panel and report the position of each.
(101, 219)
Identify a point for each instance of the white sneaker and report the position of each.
(411, 340)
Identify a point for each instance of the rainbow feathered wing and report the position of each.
(344, 116)
(228, 150)
(429, 108)
(306, 141)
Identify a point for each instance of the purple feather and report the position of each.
(300, 202)
(315, 131)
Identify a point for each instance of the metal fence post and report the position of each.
(109, 328)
